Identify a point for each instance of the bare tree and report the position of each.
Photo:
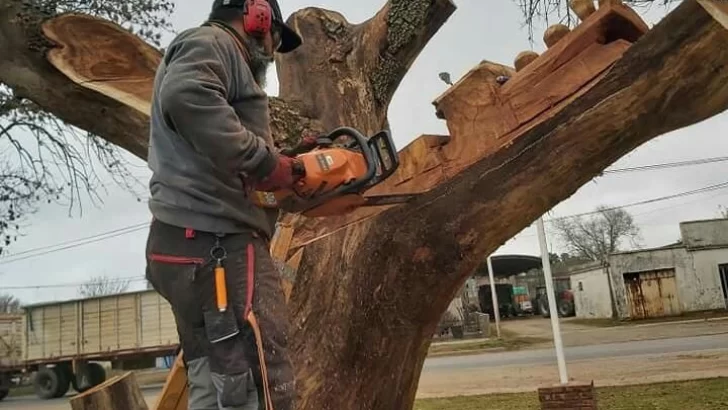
(594, 238)
(723, 211)
(102, 286)
(565, 260)
(45, 160)
(9, 304)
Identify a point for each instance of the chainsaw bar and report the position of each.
(394, 199)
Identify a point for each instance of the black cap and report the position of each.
(290, 40)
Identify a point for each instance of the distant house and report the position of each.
(688, 276)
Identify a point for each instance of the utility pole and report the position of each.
(548, 277)
(494, 296)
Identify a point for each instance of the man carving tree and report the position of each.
(210, 146)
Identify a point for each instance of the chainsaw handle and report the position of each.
(366, 150)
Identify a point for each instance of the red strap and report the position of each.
(251, 278)
(189, 233)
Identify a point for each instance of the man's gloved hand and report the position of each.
(308, 142)
(285, 174)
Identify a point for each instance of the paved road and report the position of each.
(602, 351)
(436, 371)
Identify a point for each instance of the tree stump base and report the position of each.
(571, 396)
(117, 393)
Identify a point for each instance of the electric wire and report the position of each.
(137, 227)
(44, 250)
(665, 165)
(709, 188)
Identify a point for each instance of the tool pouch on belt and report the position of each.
(229, 367)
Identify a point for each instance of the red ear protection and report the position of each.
(258, 17)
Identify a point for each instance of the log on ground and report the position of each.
(118, 393)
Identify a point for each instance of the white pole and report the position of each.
(494, 296)
(545, 261)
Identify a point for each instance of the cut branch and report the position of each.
(106, 71)
(356, 68)
(394, 38)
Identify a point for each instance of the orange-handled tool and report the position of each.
(220, 287)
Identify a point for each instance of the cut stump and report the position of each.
(117, 393)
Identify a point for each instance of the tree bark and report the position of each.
(118, 393)
(370, 287)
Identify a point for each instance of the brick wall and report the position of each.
(573, 396)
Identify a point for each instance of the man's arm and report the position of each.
(193, 98)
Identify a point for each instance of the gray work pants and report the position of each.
(246, 347)
(203, 388)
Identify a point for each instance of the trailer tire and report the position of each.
(64, 379)
(95, 374)
(4, 385)
(46, 383)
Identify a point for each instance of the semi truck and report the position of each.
(62, 345)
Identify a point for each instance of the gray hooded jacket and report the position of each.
(209, 127)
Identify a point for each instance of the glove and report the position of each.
(307, 143)
(283, 176)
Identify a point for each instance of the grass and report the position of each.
(704, 315)
(508, 341)
(708, 394)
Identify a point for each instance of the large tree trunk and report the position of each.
(370, 287)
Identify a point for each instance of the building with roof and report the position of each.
(688, 276)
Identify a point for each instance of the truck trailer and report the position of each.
(61, 345)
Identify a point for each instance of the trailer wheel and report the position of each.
(64, 373)
(46, 383)
(97, 373)
(93, 376)
(4, 385)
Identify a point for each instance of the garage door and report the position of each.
(652, 293)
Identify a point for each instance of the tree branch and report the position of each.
(111, 87)
(394, 38)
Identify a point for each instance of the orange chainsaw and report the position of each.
(335, 173)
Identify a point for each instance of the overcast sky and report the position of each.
(478, 30)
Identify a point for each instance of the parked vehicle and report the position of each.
(564, 300)
(507, 305)
(62, 344)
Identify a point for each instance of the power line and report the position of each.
(709, 188)
(76, 284)
(121, 231)
(130, 228)
(677, 164)
(30, 253)
(74, 244)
